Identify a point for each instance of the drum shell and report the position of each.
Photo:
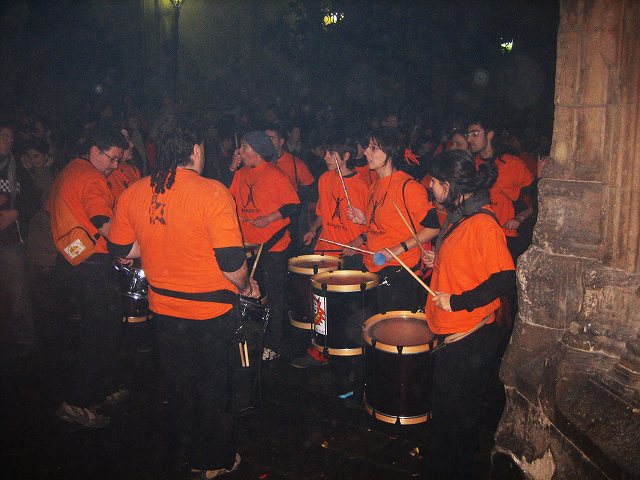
(398, 379)
(300, 300)
(133, 298)
(345, 313)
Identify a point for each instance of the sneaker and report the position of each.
(117, 397)
(268, 354)
(307, 361)
(87, 417)
(208, 474)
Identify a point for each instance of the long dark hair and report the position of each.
(392, 142)
(177, 135)
(458, 168)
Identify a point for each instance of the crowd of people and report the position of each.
(181, 197)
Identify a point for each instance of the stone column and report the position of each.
(572, 369)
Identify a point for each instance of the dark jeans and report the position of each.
(461, 372)
(17, 337)
(402, 293)
(275, 277)
(194, 356)
(95, 284)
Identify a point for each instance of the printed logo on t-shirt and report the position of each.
(156, 211)
(250, 198)
(376, 204)
(336, 211)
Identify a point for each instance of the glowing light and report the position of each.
(332, 18)
(507, 46)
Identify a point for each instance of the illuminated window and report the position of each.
(332, 18)
(506, 46)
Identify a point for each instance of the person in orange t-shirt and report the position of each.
(126, 173)
(331, 209)
(302, 181)
(266, 200)
(384, 226)
(82, 185)
(332, 221)
(472, 268)
(185, 229)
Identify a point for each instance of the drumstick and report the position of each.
(413, 234)
(418, 279)
(242, 362)
(246, 353)
(255, 264)
(347, 246)
(344, 187)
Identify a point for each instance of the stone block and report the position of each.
(537, 447)
(570, 219)
(549, 286)
(568, 83)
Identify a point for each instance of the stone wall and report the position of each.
(572, 369)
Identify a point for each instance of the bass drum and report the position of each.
(398, 367)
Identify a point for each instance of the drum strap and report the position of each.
(456, 337)
(275, 238)
(217, 296)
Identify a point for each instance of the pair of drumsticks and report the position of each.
(244, 353)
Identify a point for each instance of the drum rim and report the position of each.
(293, 268)
(316, 281)
(337, 352)
(395, 419)
(385, 347)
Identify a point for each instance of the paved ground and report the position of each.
(302, 431)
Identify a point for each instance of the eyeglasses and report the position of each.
(113, 159)
(475, 133)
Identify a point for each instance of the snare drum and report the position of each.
(342, 301)
(133, 288)
(398, 367)
(301, 269)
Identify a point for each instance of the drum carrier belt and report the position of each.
(217, 296)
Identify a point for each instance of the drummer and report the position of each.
(384, 227)
(331, 211)
(472, 269)
(265, 200)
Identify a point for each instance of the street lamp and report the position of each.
(177, 4)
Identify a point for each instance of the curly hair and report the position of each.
(458, 168)
(177, 135)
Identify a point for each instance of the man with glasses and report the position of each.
(82, 189)
(513, 178)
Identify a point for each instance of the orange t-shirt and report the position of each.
(385, 227)
(121, 178)
(513, 176)
(368, 175)
(299, 171)
(177, 231)
(332, 207)
(473, 252)
(81, 185)
(260, 191)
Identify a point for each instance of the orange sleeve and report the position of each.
(96, 198)
(417, 201)
(304, 175)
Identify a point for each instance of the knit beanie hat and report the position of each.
(261, 144)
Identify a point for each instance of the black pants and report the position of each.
(194, 356)
(461, 372)
(95, 284)
(275, 277)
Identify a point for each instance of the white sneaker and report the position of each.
(268, 354)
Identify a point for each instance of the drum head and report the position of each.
(345, 281)
(312, 264)
(394, 331)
